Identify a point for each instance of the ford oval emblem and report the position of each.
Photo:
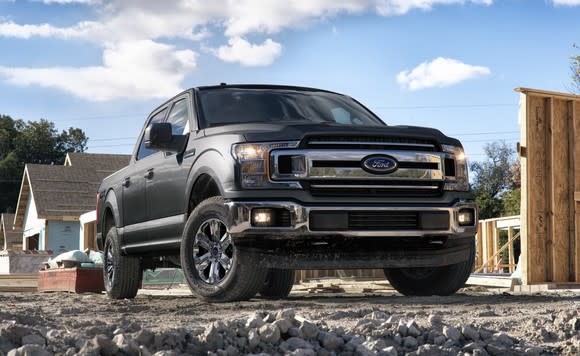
(379, 164)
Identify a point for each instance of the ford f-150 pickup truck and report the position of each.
(240, 185)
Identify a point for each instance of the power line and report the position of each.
(485, 133)
(442, 106)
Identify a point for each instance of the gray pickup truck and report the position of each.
(239, 185)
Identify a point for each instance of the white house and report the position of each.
(53, 198)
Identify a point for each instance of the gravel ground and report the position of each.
(476, 321)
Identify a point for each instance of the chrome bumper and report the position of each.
(239, 220)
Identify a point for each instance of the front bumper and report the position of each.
(301, 224)
(299, 246)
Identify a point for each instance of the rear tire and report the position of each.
(121, 273)
(278, 283)
(211, 262)
(443, 280)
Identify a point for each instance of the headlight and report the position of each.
(456, 177)
(254, 160)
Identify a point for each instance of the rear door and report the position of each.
(135, 209)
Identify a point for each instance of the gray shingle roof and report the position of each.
(9, 236)
(104, 162)
(69, 190)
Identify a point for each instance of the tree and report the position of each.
(496, 181)
(31, 142)
(575, 71)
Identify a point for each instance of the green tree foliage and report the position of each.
(496, 181)
(31, 142)
(575, 70)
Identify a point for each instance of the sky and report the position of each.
(103, 65)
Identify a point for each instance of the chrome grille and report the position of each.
(341, 171)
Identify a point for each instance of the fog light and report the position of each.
(262, 217)
(465, 217)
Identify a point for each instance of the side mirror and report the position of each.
(158, 136)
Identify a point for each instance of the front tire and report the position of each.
(424, 281)
(121, 274)
(278, 283)
(211, 262)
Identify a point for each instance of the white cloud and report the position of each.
(250, 55)
(566, 2)
(65, 2)
(140, 69)
(401, 7)
(120, 22)
(440, 72)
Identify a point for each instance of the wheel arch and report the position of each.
(110, 217)
(204, 185)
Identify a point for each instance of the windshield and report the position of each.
(224, 106)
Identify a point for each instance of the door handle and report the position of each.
(149, 174)
(127, 182)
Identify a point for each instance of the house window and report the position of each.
(32, 242)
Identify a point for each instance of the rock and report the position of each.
(303, 352)
(503, 339)
(309, 330)
(470, 333)
(439, 340)
(294, 332)
(144, 337)
(362, 350)
(165, 353)
(480, 352)
(472, 346)
(105, 345)
(451, 333)
(33, 339)
(232, 351)
(410, 343)
(295, 343)
(269, 318)
(533, 351)
(289, 314)
(253, 339)
(144, 351)
(389, 351)
(126, 344)
(118, 331)
(52, 335)
(485, 335)
(497, 350)
(402, 328)
(254, 322)
(377, 315)
(413, 329)
(283, 325)
(269, 333)
(435, 319)
(330, 341)
(29, 350)
(428, 350)
(212, 336)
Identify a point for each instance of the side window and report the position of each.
(179, 117)
(144, 151)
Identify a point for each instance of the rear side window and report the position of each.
(144, 151)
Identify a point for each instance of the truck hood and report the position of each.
(283, 132)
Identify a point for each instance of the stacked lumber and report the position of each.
(22, 282)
